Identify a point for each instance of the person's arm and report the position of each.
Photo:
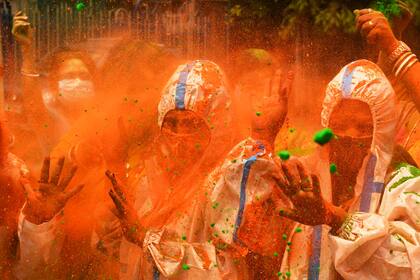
(40, 227)
(396, 59)
(411, 79)
(31, 81)
(267, 123)
(168, 253)
(11, 199)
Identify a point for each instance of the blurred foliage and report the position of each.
(324, 16)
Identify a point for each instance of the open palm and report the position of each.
(43, 203)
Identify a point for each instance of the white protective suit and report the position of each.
(315, 253)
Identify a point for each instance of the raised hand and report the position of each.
(274, 107)
(400, 22)
(22, 30)
(43, 203)
(125, 212)
(305, 193)
(375, 28)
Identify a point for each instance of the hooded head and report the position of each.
(194, 122)
(359, 107)
(193, 113)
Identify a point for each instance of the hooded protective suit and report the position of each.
(234, 211)
(316, 254)
(176, 245)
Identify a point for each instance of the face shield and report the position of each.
(185, 134)
(193, 113)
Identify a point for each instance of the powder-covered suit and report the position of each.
(367, 247)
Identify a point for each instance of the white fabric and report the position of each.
(260, 185)
(384, 245)
(40, 246)
(199, 89)
(363, 80)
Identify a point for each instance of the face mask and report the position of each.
(75, 90)
(347, 153)
(185, 146)
(183, 150)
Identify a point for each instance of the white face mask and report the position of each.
(75, 90)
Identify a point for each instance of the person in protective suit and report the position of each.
(359, 226)
(194, 122)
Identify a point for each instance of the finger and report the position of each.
(111, 177)
(360, 20)
(367, 27)
(22, 18)
(366, 18)
(304, 177)
(316, 186)
(290, 214)
(118, 204)
(19, 13)
(291, 172)
(291, 188)
(69, 194)
(117, 212)
(117, 188)
(19, 21)
(280, 178)
(281, 182)
(364, 11)
(55, 177)
(69, 176)
(45, 170)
